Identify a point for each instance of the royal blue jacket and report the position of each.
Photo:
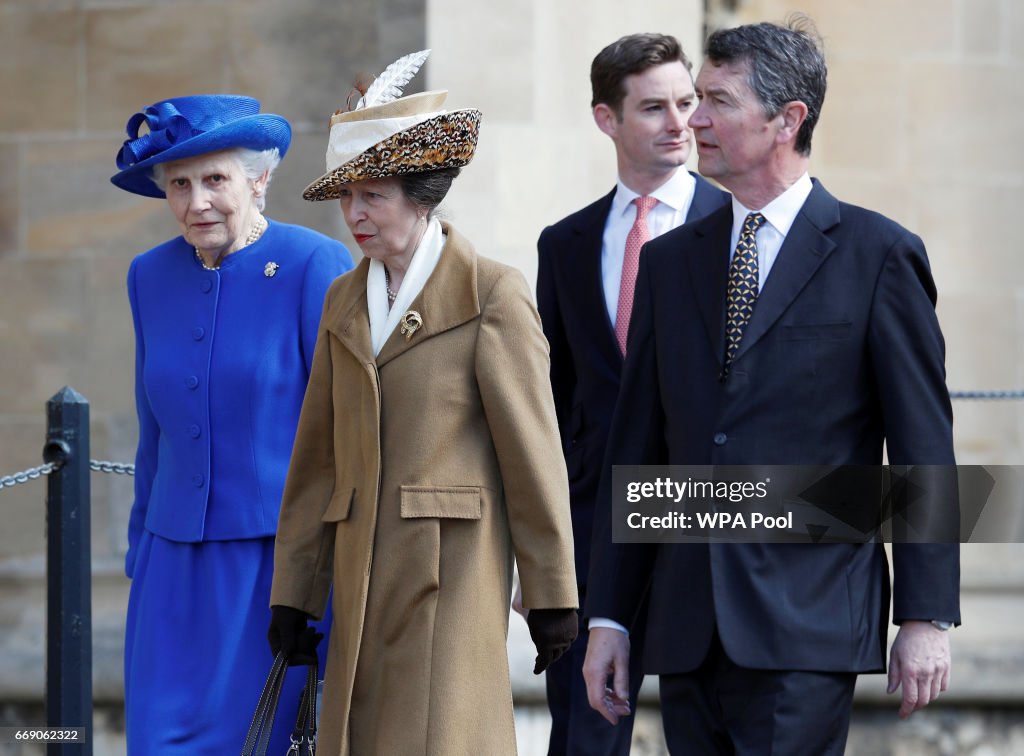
(222, 358)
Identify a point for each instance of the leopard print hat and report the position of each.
(412, 134)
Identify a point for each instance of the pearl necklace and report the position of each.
(258, 227)
(392, 295)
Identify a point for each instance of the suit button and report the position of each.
(720, 439)
(205, 285)
(198, 480)
(192, 381)
(195, 431)
(198, 333)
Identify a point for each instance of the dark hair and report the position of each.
(786, 63)
(428, 188)
(629, 55)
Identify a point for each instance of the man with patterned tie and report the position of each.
(788, 328)
(642, 95)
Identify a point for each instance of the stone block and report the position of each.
(977, 332)
(10, 199)
(39, 63)
(24, 506)
(44, 335)
(863, 128)
(72, 209)
(981, 27)
(562, 60)
(963, 224)
(484, 55)
(300, 58)
(137, 56)
(946, 143)
(869, 28)
(1014, 30)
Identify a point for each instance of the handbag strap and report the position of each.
(304, 734)
(258, 738)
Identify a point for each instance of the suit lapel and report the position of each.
(587, 262)
(709, 272)
(805, 248)
(448, 299)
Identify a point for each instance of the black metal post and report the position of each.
(68, 570)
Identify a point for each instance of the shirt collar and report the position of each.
(676, 193)
(781, 211)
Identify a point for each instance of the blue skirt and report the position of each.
(196, 653)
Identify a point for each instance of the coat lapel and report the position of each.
(448, 299)
(348, 317)
(805, 248)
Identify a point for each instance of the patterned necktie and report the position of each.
(742, 292)
(639, 234)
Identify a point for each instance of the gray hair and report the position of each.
(785, 63)
(252, 162)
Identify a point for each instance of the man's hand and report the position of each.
(920, 662)
(608, 655)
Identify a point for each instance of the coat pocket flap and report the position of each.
(462, 502)
(340, 506)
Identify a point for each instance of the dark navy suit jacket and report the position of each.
(843, 352)
(585, 357)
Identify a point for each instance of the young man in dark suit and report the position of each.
(642, 96)
(785, 328)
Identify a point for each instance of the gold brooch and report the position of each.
(270, 269)
(411, 322)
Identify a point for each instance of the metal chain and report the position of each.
(1018, 394)
(121, 468)
(97, 465)
(27, 475)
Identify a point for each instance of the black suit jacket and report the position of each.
(585, 357)
(843, 352)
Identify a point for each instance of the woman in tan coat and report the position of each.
(427, 458)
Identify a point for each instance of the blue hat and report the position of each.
(188, 126)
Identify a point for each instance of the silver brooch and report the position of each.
(411, 322)
(270, 269)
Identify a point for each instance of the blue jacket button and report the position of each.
(194, 431)
(192, 381)
(198, 333)
(205, 285)
(720, 439)
(198, 480)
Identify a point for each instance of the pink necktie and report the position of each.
(638, 236)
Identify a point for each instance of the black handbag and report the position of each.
(303, 739)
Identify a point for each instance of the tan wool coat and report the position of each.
(415, 478)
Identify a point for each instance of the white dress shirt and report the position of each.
(674, 198)
(779, 215)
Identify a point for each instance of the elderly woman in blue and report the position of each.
(226, 319)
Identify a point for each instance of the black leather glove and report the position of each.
(552, 631)
(305, 648)
(287, 624)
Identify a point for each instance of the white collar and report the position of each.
(383, 321)
(676, 192)
(781, 211)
